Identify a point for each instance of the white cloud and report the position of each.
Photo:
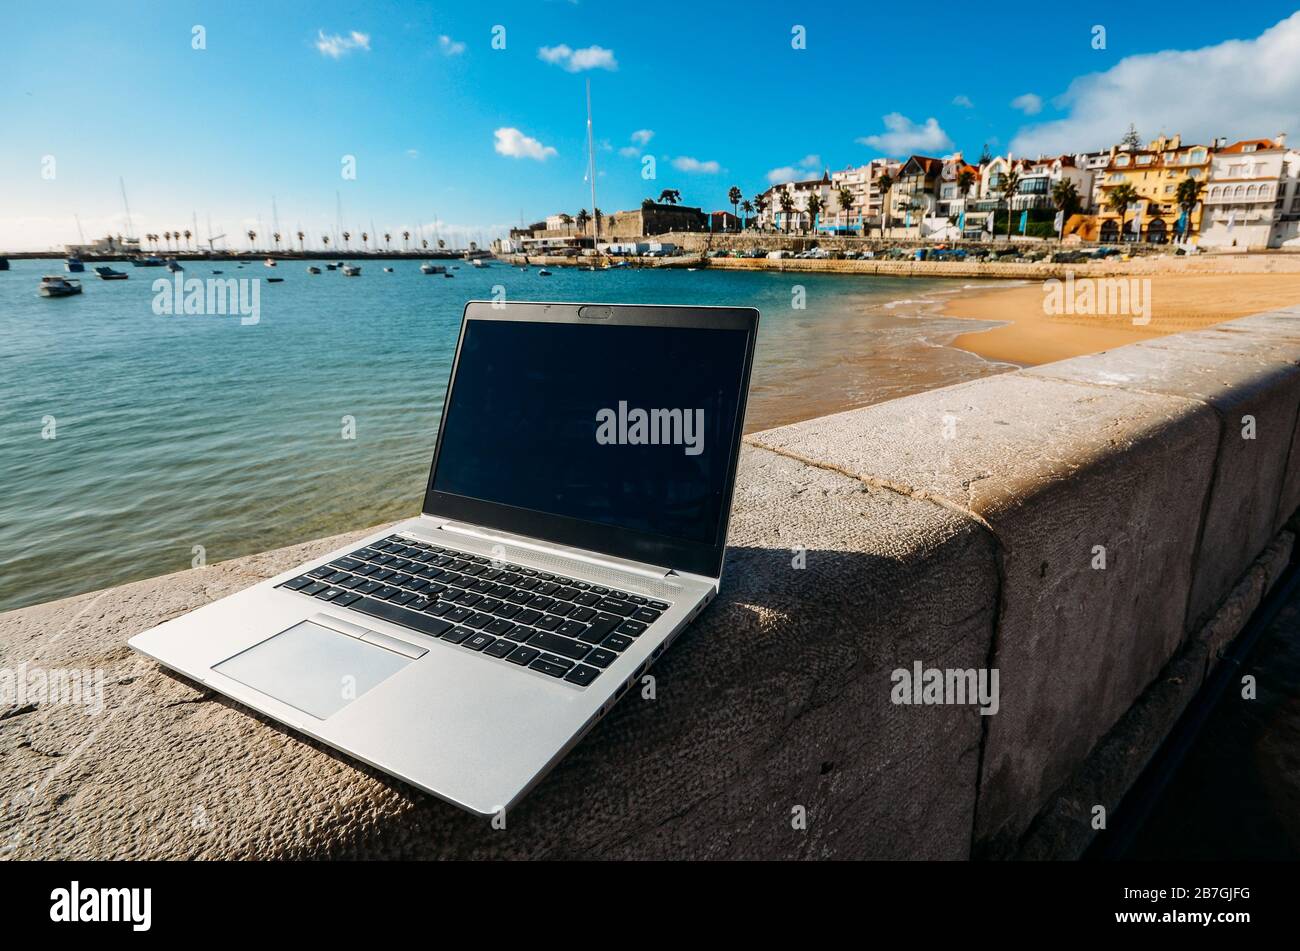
(575, 61)
(905, 136)
(1030, 104)
(449, 46)
(800, 170)
(629, 151)
(512, 142)
(334, 45)
(963, 101)
(1238, 88)
(684, 163)
(642, 137)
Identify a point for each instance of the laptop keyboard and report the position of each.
(567, 629)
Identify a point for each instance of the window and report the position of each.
(1121, 161)
(1248, 148)
(1198, 156)
(1144, 160)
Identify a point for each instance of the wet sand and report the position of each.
(1178, 303)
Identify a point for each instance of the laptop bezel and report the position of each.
(659, 550)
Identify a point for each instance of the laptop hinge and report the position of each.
(629, 567)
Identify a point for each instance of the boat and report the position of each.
(313, 269)
(269, 262)
(331, 267)
(448, 274)
(147, 260)
(543, 273)
(54, 285)
(427, 268)
(4, 264)
(388, 270)
(351, 270)
(174, 266)
(478, 262)
(218, 272)
(106, 273)
(275, 280)
(74, 265)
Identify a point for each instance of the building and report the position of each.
(863, 185)
(1154, 172)
(1094, 163)
(110, 244)
(914, 195)
(652, 218)
(1252, 200)
(723, 221)
(953, 192)
(797, 218)
(1039, 178)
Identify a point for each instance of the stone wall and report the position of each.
(1096, 530)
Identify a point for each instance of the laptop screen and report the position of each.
(630, 430)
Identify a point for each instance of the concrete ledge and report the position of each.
(1095, 530)
(771, 701)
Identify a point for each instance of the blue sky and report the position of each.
(283, 91)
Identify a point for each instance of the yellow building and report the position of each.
(1155, 173)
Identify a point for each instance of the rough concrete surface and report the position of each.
(1055, 469)
(777, 697)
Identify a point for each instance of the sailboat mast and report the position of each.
(130, 227)
(591, 166)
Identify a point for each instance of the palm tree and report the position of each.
(406, 240)
(387, 237)
(597, 215)
(1188, 196)
(786, 202)
(188, 235)
(566, 219)
(1065, 196)
(364, 238)
(1007, 186)
(441, 244)
(814, 206)
(347, 236)
(424, 243)
(325, 240)
(301, 236)
(885, 182)
(1119, 199)
(275, 236)
(845, 198)
(670, 196)
(734, 195)
(251, 236)
(747, 207)
(760, 204)
(583, 217)
(167, 236)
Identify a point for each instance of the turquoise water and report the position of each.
(178, 431)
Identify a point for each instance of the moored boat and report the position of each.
(174, 266)
(4, 264)
(54, 285)
(351, 270)
(543, 273)
(106, 273)
(313, 269)
(269, 262)
(147, 260)
(74, 265)
(427, 268)
(275, 280)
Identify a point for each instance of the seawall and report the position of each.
(1096, 530)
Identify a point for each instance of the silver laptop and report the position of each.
(574, 524)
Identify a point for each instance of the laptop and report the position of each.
(574, 524)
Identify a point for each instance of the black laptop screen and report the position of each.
(632, 427)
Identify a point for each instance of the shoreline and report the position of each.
(1025, 335)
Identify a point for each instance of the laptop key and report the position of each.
(559, 645)
(659, 605)
(315, 587)
(346, 599)
(324, 571)
(603, 625)
(528, 616)
(329, 594)
(457, 634)
(631, 628)
(548, 623)
(522, 655)
(499, 627)
(617, 642)
(646, 615)
(600, 657)
(582, 614)
(293, 584)
(456, 615)
(588, 599)
(617, 607)
(570, 628)
(479, 621)
(478, 641)
(438, 609)
(548, 667)
(499, 648)
(582, 675)
(520, 633)
(424, 623)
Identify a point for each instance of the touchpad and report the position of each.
(312, 668)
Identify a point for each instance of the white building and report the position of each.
(1252, 199)
(863, 183)
(775, 217)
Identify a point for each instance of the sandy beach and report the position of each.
(1178, 303)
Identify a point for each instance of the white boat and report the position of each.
(388, 270)
(351, 270)
(543, 273)
(478, 262)
(174, 266)
(269, 262)
(55, 285)
(313, 269)
(427, 268)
